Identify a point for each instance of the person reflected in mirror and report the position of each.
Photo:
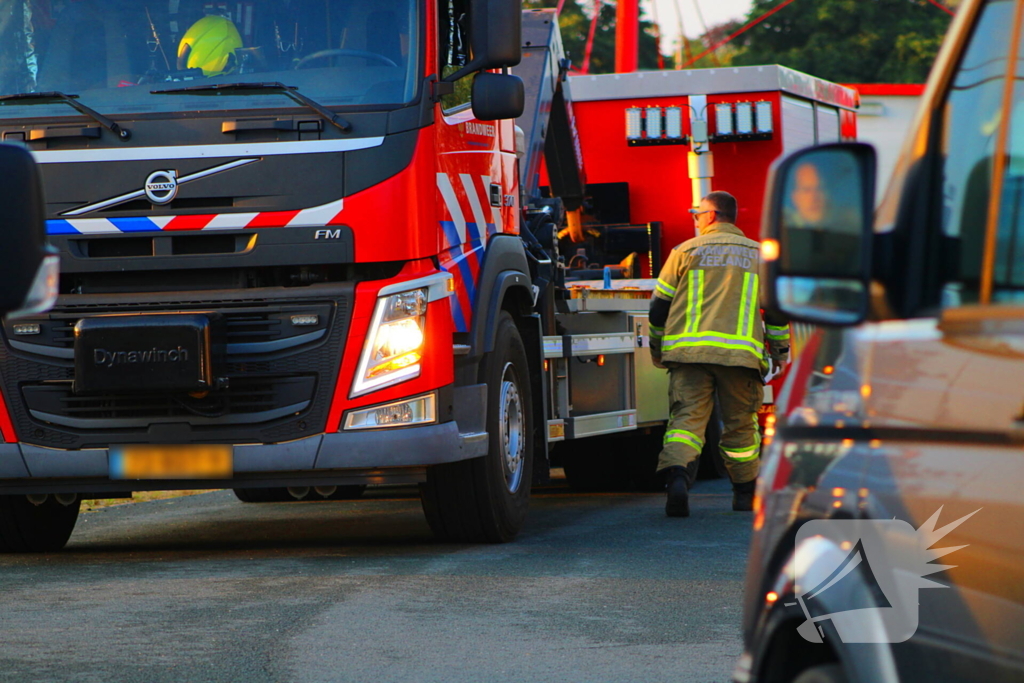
(807, 197)
(821, 232)
(706, 328)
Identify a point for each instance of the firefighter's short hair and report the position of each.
(725, 205)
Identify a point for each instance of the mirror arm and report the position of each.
(473, 66)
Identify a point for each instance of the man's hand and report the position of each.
(657, 362)
(781, 356)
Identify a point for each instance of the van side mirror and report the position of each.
(28, 266)
(497, 96)
(817, 234)
(497, 30)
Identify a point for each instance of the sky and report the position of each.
(714, 12)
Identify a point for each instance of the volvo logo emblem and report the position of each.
(162, 186)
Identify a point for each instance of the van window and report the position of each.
(1008, 278)
(972, 119)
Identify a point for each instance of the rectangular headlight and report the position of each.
(723, 119)
(634, 124)
(653, 123)
(763, 117)
(414, 411)
(744, 118)
(394, 345)
(673, 123)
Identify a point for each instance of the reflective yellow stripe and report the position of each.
(683, 436)
(741, 317)
(723, 335)
(732, 346)
(666, 289)
(691, 299)
(753, 304)
(777, 332)
(744, 455)
(721, 340)
(695, 301)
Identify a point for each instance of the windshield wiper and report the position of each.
(122, 133)
(289, 91)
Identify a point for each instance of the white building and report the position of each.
(883, 120)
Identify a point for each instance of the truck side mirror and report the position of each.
(497, 29)
(497, 96)
(817, 234)
(28, 266)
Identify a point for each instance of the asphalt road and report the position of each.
(205, 588)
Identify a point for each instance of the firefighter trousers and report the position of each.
(692, 388)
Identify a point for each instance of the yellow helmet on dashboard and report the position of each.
(209, 45)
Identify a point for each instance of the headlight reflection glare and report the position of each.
(394, 345)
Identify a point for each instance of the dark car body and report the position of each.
(919, 411)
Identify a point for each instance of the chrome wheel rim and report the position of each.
(511, 424)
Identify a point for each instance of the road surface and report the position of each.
(205, 588)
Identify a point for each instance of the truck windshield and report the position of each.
(113, 53)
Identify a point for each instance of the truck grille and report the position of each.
(280, 376)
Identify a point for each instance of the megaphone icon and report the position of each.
(852, 586)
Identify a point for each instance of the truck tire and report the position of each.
(643, 465)
(29, 528)
(281, 495)
(823, 673)
(271, 495)
(485, 500)
(597, 463)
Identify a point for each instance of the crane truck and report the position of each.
(306, 247)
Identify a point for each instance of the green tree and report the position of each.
(722, 56)
(848, 41)
(575, 27)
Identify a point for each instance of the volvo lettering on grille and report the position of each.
(162, 186)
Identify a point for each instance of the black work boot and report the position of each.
(678, 503)
(743, 496)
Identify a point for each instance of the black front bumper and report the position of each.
(377, 456)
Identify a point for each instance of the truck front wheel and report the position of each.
(27, 527)
(485, 500)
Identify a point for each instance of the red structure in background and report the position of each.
(627, 36)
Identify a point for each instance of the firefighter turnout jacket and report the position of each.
(711, 285)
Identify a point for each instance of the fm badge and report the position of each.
(162, 187)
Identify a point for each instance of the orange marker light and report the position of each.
(828, 369)
(770, 250)
(838, 491)
(837, 504)
(758, 512)
(600, 361)
(771, 597)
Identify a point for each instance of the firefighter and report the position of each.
(706, 328)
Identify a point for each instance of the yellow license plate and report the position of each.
(171, 462)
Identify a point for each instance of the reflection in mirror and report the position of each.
(829, 300)
(823, 216)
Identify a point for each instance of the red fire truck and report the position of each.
(305, 248)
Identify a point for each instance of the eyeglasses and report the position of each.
(697, 212)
